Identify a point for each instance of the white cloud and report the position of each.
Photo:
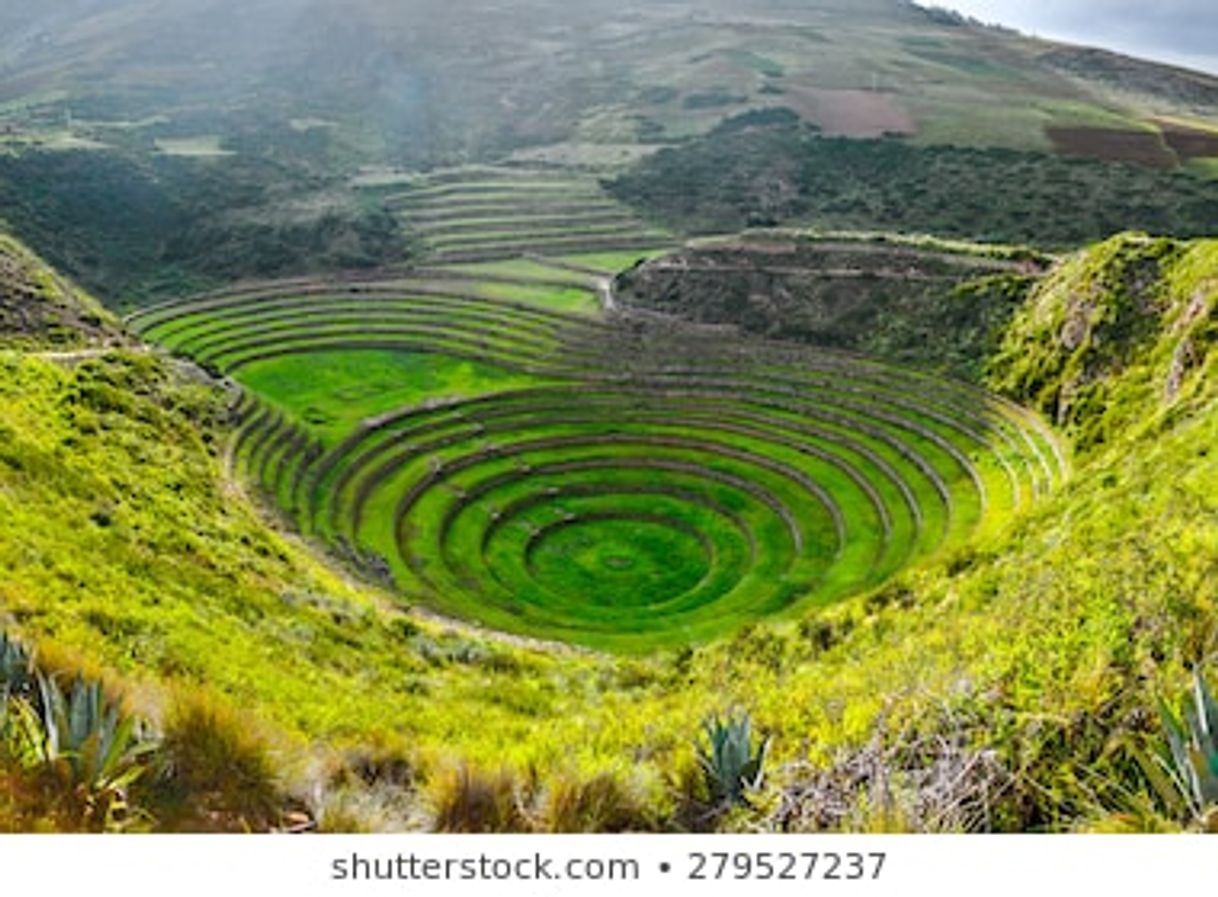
(1180, 31)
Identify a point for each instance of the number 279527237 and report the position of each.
(806, 866)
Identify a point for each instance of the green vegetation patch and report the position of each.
(332, 391)
(611, 262)
(41, 309)
(569, 300)
(1126, 326)
(134, 229)
(763, 177)
(208, 146)
(475, 215)
(939, 304)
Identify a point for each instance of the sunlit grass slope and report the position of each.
(1035, 655)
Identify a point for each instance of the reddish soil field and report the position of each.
(849, 113)
(1189, 143)
(1141, 147)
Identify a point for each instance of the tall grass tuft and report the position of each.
(469, 800)
(602, 803)
(368, 788)
(218, 772)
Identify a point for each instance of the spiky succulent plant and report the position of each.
(79, 736)
(87, 737)
(1184, 769)
(14, 665)
(15, 682)
(729, 762)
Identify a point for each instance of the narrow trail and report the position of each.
(77, 355)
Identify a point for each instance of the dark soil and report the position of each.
(1190, 143)
(1140, 147)
(39, 310)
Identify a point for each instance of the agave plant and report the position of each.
(1184, 770)
(731, 766)
(14, 666)
(15, 684)
(90, 744)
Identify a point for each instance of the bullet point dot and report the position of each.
(665, 867)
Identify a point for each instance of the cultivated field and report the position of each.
(476, 213)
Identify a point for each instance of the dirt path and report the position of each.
(76, 355)
(604, 290)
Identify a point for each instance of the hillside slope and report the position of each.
(1117, 339)
(921, 302)
(999, 688)
(754, 172)
(40, 309)
(424, 79)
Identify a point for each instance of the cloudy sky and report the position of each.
(1179, 31)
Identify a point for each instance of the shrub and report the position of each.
(369, 788)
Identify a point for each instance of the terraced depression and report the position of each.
(497, 442)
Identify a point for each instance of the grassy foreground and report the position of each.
(1001, 688)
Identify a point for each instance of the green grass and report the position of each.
(332, 391)
(611, 262)
(569, 301)
(1206, 168)
(545, 187)
(1146, 297)
(524, 232)
(1072, 113)
(456, 215)
(760, 64)
(488, 222)
(452, 198)
(202, 147)
(1042, 642)
(466, 482)
(527, 268)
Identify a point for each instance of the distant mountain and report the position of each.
(423, 80)
(154, 147)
